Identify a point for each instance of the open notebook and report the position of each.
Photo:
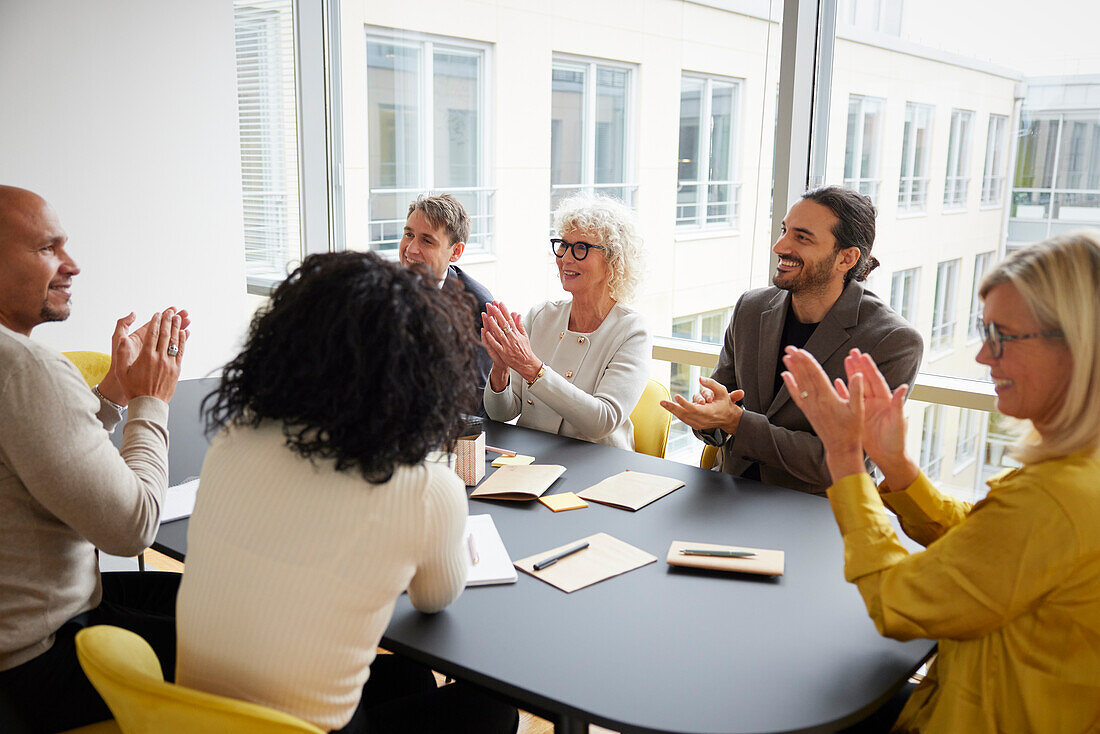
(494, 565)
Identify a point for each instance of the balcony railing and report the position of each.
(707, 205)
(912, 193)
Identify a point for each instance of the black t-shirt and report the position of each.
(795, 334)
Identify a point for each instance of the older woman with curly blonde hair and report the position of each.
(576, 366)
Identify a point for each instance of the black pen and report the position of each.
(551, 560)
(716, 553)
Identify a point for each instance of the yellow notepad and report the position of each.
(563, 501)
(517, 460)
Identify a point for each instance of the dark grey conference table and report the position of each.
(659, 649)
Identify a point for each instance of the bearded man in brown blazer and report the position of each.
(817, 303)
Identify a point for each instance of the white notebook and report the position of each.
(179, 501)
(494, 565)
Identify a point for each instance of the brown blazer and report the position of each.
(773, 431)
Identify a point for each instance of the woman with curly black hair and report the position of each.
(317, 508)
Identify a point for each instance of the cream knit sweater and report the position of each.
(293, 570)
(65, 490)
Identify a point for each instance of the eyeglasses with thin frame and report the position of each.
(580, 249)
(993, 337)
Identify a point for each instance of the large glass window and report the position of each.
(268, 128)
(943, 310)
(426, 129)
(707, 194)
(1057, 177)
(903, 293)
(983, 261)
(915, 146)
(590, 130)
(883, 16)
(994, 176)
(957, 181)
(707, 327)
(863, 144)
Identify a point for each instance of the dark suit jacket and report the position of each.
(483, 296)
(773, 430)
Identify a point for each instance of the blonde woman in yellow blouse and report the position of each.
(1009, 586)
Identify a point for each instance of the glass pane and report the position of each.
(691, 120)
(457, 91)
(610, 114)
(392, 97)
(567, 125)
(721, 130)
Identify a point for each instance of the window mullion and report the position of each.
(427, 118)
(589, 153)
(706, 130)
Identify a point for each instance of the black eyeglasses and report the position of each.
(580, 249)
(992, 336)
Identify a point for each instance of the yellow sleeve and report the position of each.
(1012, 548)
(926, 513)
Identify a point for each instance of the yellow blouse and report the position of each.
(1009, 586)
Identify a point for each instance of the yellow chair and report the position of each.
(710, 453)
(651, 421)
(125, 671)
(93, 365)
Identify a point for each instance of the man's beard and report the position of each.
(53, 314)
(810, 279)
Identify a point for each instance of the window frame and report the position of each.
(944, 306)
(630, 164)
(425, 45)
(931, 441)
(956, 181)
(983, 261)
(732, 222)
(871, 186)
(909, 304)
(913, 189)
(993, 175)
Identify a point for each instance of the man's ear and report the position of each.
(456, 250)
(847, 258)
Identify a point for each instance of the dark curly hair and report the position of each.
(363, 362)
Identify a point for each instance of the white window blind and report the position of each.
(268, 121)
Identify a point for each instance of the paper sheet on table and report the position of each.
(518, 482)
(563, 501)
(765, 562)
(631, 490)
(494, 565)
(604, 557)
(179, 501)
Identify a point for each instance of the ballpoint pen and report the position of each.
(716, 553)
(551, 560)
(471, 545)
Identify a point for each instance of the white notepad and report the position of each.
(179, 501)
(494, 565)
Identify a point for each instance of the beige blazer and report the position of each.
(592, 381)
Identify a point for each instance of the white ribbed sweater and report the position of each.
(293, 570)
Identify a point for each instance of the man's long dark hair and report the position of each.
(855, 225)
(361, 361)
